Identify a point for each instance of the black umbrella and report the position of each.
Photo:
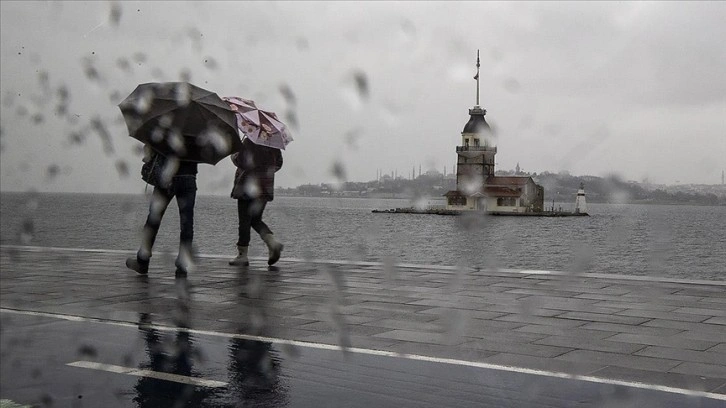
(181, 120)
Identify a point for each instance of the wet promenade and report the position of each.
(643, 332)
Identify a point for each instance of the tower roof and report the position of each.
(476, 123)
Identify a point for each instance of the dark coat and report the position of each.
(255, 175)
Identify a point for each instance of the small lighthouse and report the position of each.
(580, 203)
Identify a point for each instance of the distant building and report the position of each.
(477, 186)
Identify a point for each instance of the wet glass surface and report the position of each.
(627, 97)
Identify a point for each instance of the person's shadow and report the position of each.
(172, 353)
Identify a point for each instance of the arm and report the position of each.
(236, 159)
(278, 160)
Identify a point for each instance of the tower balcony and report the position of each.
(475, 148)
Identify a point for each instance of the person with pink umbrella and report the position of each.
(257, 161)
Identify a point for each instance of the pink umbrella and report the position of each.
(261, 127)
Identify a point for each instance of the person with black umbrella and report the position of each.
(180, 125)
(171, 178)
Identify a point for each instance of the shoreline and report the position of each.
(411, 198)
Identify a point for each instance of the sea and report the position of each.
(668, 241)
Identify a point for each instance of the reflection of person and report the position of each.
(254, 184)
(254, 371)
(173, 358)
(183, 186)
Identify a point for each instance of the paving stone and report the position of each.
(537, 350)
(694, 356)
(673, 324)
(590, 344)
(477, 314)
(715, 311)
(577, 332)
(635, 305)
(720, 320)
(682, 317)
(419, 337)
(606, 318)
(701, 335)
(546, 321)
(719, 348)
(706, 370)
(689, 344)
(524, 308)
(629, 328)
(620, 360)
(405, 324)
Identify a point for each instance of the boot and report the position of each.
(274, 247)
(185, 260)
(241, 259)
(137, 264)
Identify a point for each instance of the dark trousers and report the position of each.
(249, 213)
(184, 188)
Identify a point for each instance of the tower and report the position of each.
(580, 203)
(475, 155)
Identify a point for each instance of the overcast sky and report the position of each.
(594, 88)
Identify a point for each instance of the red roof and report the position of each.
(454, 193)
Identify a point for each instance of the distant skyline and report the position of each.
(593, 88)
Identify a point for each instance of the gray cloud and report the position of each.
(568, 84)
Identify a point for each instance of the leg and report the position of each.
(185, 188)
(186, 199)
(243, 240)
(160, 199)
(245, 222)
(255, 210)
(274, 247)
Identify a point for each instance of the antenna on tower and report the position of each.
(477, 77)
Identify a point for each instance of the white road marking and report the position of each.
(148, 373)
(383, 353)
(447, 268)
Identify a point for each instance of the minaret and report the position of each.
(475, 161)
(580, 203)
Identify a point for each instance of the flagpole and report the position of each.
(477, 77)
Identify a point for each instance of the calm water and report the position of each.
(670, 241)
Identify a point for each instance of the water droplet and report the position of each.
(512, 85)
(53, 171)
(115, 13)
(287, 93)
(86, 350)
(122, 168)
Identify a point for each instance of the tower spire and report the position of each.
(477, 77)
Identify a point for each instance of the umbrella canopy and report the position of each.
(182, 120)
(260, 126)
